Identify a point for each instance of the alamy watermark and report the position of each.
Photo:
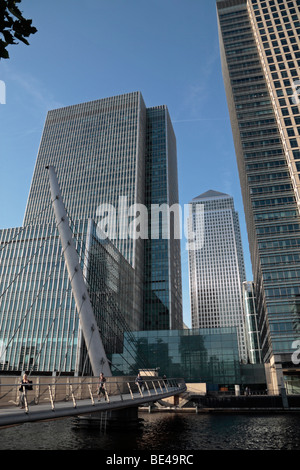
(296, 95)
(2, 92)
(162, 221)
(296, 354)
(2, 351)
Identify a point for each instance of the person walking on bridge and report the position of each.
(25, 385)
(139, 381)
(101, 388)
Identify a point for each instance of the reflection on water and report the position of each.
(163, 431)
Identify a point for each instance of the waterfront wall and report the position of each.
(259, 402)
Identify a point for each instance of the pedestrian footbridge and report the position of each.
(53, 397)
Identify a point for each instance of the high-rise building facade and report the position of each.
(39, 323)
(216, 265)
(112, 157)
(162, 275)
(115, 152)
(251, 323)
(98, 151)
(260, 53)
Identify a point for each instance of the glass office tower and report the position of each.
(251, 323)
(162, 281)
(208, 355)
(107, 155)
(39, 323)
(39, 326)
(260, 52)
(216, 266)
(98, 151)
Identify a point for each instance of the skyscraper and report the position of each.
(111, 157)
(216, 266)
(98, 151)
(162, 275)
(260, 52)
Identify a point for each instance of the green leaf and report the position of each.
(3, 52)
(13, 26)
(8, 37)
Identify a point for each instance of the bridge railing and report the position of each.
(53, 390)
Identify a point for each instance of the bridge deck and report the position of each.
(12, 415)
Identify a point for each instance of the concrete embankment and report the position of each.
(236, 404)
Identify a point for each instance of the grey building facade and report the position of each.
(107, 158)
(216, 266)
(260, 52)
(39, 322)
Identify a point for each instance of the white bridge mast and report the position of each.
(88, 323)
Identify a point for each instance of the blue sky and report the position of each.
(167, 49)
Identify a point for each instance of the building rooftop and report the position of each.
(211, 194)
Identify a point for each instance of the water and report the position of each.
(167, 432)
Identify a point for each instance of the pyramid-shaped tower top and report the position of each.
(211, 194)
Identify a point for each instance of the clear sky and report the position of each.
(93, 49)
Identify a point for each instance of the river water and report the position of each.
(167, 432)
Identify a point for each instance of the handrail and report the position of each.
(45, 389)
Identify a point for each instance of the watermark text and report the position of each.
(296, 354)
(160, 221)
(2, 92)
